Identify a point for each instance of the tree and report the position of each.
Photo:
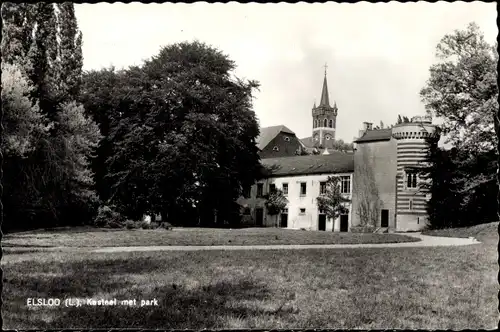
(462, 90)
(276, 201)
(340, 145)
(180, 135)
(24, 124)
(332, 201)
(51, 184)
(444, 206)
(403, 119)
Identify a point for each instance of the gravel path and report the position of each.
(426, 241)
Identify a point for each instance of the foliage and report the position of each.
(24, 124)
(402, 119)
(450, 205)
(462, 91)
(276, 201)
(179, 135)
(107, 215)
(48, 139)
(340, 145)
(332, 201)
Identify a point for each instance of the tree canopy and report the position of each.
(179, 134)
(462, 91)
(48, 140)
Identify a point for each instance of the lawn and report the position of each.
(191, 236)
(474, 231)
(376, 288)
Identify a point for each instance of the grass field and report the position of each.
(191, 236)
(474, 231)
(401, 288)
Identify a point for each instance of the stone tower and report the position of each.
(412, 147)
(324, 118)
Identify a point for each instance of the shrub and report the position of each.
(130, 224)
(106, 215)
(147, 225)
(154, 225)
(166, 225)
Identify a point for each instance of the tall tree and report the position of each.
(181, 134)
(462, 90)
(52, 183)
(70, 51)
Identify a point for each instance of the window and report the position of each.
(246, 211)
(303, 189)
(287, 138)
(327, 137)
(322, 188)
(302, 211)
(276, 148)
(324, 123)
(330, 124)
(260, 189)
(411, 204)
(285, 188)
(345, 184)
(411, 179)
(272, 188)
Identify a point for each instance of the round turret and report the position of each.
(412, 150)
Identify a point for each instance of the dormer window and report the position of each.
(276, 148)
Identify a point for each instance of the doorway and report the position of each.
(284, 220)
(344, 222)
(259, 217)
(322, 222)
(385, 218)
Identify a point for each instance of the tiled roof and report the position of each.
(335, 162)
(267, 134)
(375, 135)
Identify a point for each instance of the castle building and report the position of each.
(387, 185)
(381, 177)
(302, 179)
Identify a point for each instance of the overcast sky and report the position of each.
(378, 55)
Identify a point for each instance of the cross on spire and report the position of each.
(326, 66)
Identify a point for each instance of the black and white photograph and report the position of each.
(249, 165)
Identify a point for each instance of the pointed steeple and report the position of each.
(314, 106)
(325, 101)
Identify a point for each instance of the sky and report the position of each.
(377, 55)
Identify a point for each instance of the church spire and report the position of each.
(325, 101)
